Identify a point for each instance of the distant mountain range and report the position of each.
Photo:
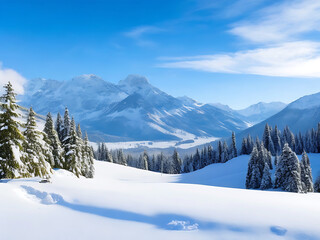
(300, 115)
(133, 109)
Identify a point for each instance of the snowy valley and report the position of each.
(127, 203)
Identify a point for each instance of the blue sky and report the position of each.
(237, 52)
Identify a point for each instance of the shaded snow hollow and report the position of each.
(126, 203)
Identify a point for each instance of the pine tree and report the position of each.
(11, 165)
(288, 173)
(66, 125)
(79, 132)
(87, 166)
(196, 160)
(234, 151)
(267, 140)
(160, 161)
(266, 181)
(244, 146)
(225, 152)
(253, 179)
(108, 155)
(211, 157)
(250, 144)
(121, 158)
(220, 150)
(276, 140)
(72, 148)
(176, 162)
(306, 174)
(38, 155)
(143, 161)
(53, 140)
(59, 127)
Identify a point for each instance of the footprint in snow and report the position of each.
(280, 231)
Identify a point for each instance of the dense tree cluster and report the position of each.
(274, 140)
(290, 175)
(32, 153)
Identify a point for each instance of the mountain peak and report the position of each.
(136, 83)
(87, 77)
(134, 80)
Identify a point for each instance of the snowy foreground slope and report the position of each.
(127, 203)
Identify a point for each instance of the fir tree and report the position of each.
(253, 179)
(108, 155)
(53, 140)
(59, 127)
(267, 140)
(250, 144)
(234, 151)
(87, 167)
(121, 158)
(72, 148)
(244, 147)
(11, 138)
(66, 125)
(266, 181)
(276, 140)
(160, 161)
(143, 161)
(220, 150)
(225, 152)
(79, 132)
(196, 160)
(288, 171)
(38, 153)
(211, 157)
(176, 162)
(306, 174)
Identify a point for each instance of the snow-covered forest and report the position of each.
(26, 151)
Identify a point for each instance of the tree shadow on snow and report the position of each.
(162, 221)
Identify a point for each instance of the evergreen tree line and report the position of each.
(156, 163)
(33, 153)
(274, 141)
(171, 164)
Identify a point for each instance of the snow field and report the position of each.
(126, 203)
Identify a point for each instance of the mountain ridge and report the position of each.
(133, 109)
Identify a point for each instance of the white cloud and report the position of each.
(17, 81)
(281, 22)
(292, 59)
(141, 30)
(138, 35)
(283, 32)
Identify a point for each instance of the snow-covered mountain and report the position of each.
(133, 109)
(300, 115)
(258, 112)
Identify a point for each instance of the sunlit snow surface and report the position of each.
(127, 203)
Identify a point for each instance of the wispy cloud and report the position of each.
(281, 22)
(284, 50)
(293, 59)
(14, 77)
(139, 34)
